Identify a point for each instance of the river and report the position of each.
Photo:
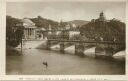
(30, 63)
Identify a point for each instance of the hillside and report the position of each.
(79, 22)
(108, 30)
(43, 22)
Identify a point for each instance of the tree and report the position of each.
(13, 33)
(44, 23)
(112, 30)
(108, 30)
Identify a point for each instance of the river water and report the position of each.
(30, 63)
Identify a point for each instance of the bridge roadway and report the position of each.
(80, 41)
(53, 30)
(83, 41)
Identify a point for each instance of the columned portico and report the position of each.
(29, 29)
(29, 33)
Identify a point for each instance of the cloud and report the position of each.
(67, 11)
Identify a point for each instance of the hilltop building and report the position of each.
(102, 17)
(101, 29)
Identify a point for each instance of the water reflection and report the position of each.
(30, 63)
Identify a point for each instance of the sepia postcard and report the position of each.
(76, 40)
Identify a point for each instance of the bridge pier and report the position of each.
(62, 46)
(103, 51)
(79, 49)
(109, 51)
(48, 45)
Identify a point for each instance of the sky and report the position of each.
(66, 10)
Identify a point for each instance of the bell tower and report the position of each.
(102, 17)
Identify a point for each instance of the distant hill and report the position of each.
(44, 23)
(79, 22)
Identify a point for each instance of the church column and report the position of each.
(27, 33)
(30, 33)
(34, 33)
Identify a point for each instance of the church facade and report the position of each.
(29, 29)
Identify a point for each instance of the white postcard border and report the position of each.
(3, 76)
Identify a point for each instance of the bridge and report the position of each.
(80, 44)
(106, 46)
(87, 41)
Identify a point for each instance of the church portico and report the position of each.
(29, 33)
(29, 29)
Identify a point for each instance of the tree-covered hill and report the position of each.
(44, 23)
(108, 30)
(78, 22)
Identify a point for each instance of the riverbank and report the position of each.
(30, 62)
(70, 49)
(121, 55)
(11, 51)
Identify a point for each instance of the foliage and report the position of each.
(108, 30)
(13, 33)
(44, 23)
